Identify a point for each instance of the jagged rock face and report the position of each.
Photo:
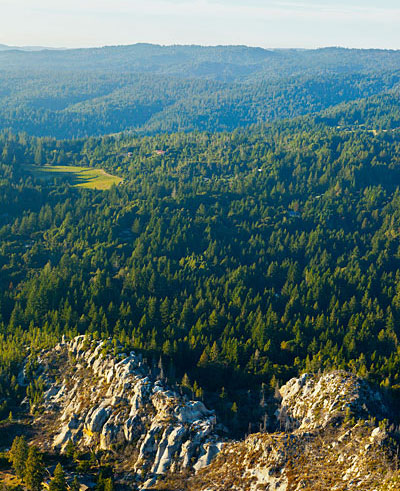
(109, 402)
(340, 461)
(310, 402)
(331, 441)
(326, 449)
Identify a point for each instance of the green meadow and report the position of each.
(84, 177)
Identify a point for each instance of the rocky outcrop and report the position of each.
(310, 402)
(109, 401)
(334, 431)
(332, 441)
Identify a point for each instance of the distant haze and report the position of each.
(265, 23)
(4, 47)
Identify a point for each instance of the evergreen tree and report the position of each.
(108, 484)
(18, 455)
(75, 486)
(70, 449)
(34, 470)
(58, 482)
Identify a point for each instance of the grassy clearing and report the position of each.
(84, 177)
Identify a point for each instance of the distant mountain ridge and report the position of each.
(150, 88)
(6, 47)
(179, 59)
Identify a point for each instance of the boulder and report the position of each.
(96, 419)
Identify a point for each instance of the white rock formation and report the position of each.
(310, 402)
(106, 401)
(329, 441)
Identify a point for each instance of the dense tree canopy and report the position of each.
(258, 253)
(149, 89)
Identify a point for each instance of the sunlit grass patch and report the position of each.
(85, 177)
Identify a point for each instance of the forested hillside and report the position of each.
(150, 89)
(377, 112)
(240, 258)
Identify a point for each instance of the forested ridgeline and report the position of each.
(240, 258)
(225, 63)
(150, 89)
(371, 113)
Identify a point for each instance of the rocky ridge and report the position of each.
(309, 403)
(333, 441)
(105, 401)
(334, 432)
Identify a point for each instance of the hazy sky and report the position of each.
(266, 23)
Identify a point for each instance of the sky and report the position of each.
(265, 23)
